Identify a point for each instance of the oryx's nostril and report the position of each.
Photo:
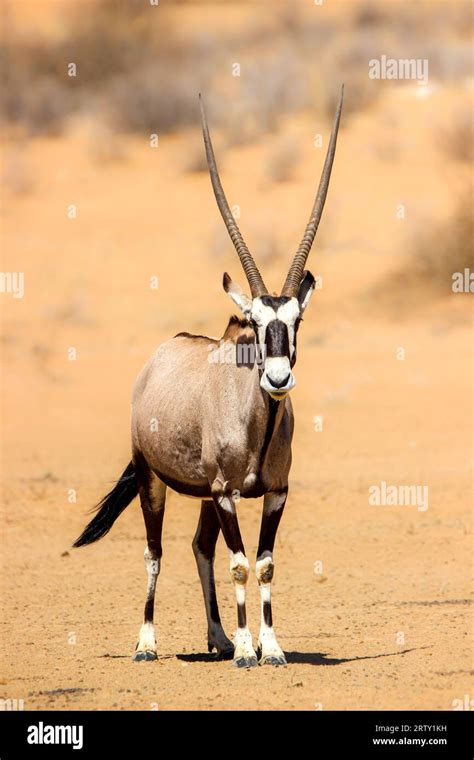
(279, 383)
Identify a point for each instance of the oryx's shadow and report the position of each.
(303, 658)
(293, 658)
(320, 658)
(202, 657)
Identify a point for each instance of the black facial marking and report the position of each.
(276, 339)
(274, 301)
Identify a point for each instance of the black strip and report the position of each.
(268, 529)
(272, 412)
(276, 339)
(267, 614)
(149, 609)
(274, 301)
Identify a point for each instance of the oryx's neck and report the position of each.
(260, 414)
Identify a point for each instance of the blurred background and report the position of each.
(271, 81)
(121, 245)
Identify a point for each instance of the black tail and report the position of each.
(110, 507)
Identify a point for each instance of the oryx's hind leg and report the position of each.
(204, 544)
(152, 496)
(268, 647)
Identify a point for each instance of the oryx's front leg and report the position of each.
(244, 653)
(268, 647)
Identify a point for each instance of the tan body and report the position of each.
(214, 431)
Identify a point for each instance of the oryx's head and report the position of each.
(275, 319)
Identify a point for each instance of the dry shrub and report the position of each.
(457, 139)
(439, 32)
(152, 99)
(195, 155)
(435, 253)
(261, 237)
(268, 89)
(131, 59)
(359, 93)
(370, 15)
(33, 92)
(349, 59)
(282, 161)
(113, 38)
(103, 144)
(268, 246)
(410, 21)
(443, 249)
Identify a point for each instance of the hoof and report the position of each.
(146, 656)
(224, 649)
(276, 661)
(222, 654)
(245, 662)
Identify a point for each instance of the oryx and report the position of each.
(221, 430)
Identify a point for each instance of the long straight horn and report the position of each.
(290, 288)
(257, 286)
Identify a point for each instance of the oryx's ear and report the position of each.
(238, 296)
(306, 289)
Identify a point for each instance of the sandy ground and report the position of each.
(387, 623)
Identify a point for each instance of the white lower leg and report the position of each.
(239, 569)
(243, 646)
(146, 640)
(267, 641)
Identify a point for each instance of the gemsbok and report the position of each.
(217, 425)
